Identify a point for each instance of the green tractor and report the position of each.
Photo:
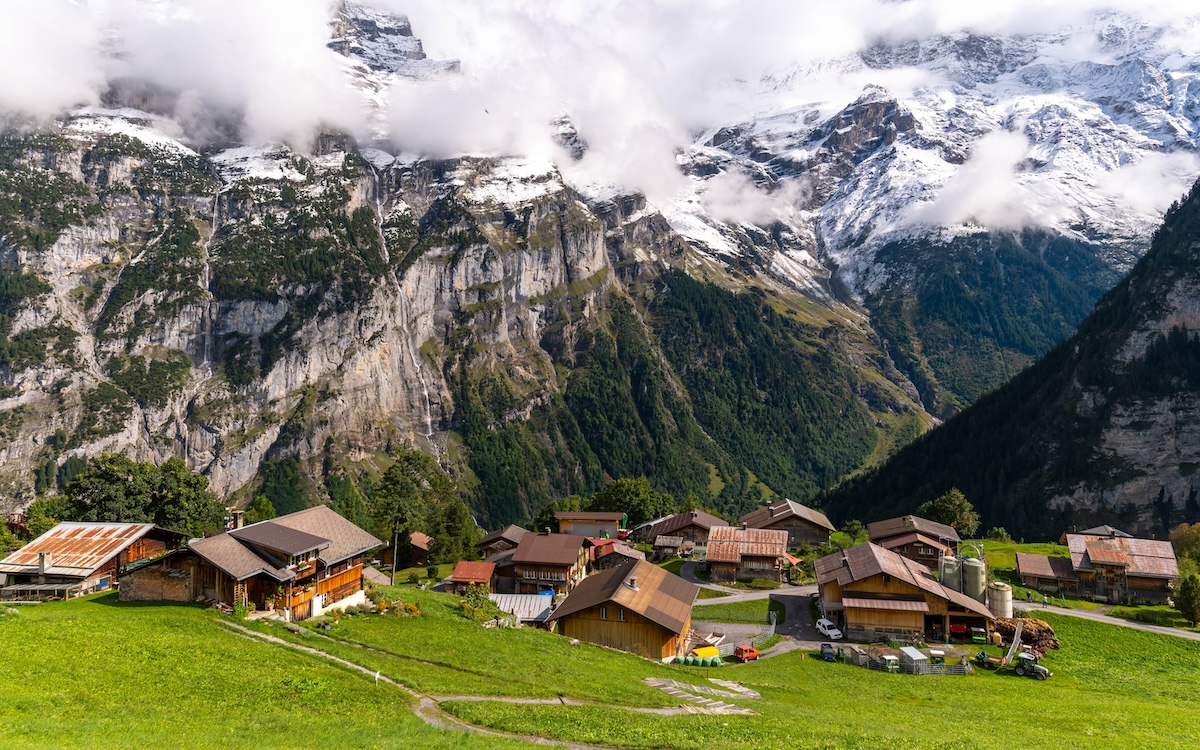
(1027, 664)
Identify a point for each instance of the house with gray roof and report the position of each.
(300, 565)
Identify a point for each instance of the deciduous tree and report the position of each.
(952, 509)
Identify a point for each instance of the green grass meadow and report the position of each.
(95, 673)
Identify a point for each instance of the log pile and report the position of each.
(1036, 633)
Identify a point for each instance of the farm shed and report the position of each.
(804, 525)
(73, 559)
(467, 573)
(529, 609)
(745, 554)
(636, 607)
(875, 594)
(612, 555)
(913, 661)
(301, 565)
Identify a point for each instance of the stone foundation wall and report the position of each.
(157, 584)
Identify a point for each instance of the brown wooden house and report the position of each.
(614, 555)
(1110, 568)
(874, 594)
(746, 554)
(500, 540)
(590, 523)
(636, 607)
(916, 538)
(73, 559)
(691, 526)
(301, 565)
(421, 543)
(803, 524)
(549, 562)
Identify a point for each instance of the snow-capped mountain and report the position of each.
(916, 244)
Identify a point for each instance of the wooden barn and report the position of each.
(467, 573)
(874, 594)
(1110, 568)
(73, 559)
(803, 524)
(636, 607)
(916, 538)
(747, 554)
(301, 565)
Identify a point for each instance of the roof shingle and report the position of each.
(661, 597)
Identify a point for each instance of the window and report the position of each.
(621, 615)
(604, 613)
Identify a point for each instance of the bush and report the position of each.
(998, 534)
(432, 571)
(240, 611)
(414, 578)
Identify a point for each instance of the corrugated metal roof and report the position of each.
(866, 560)
(75, 548)
(731, 544)
(526, 607)
(668, 541)
(891, 527)
(1150, 558)
(466, 571)
(661, 597)
(1104, 555)
(895, 605)
(778, 511)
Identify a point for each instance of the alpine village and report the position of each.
(665, 375)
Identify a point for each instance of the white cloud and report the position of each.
(1149, 185)
(49, 57)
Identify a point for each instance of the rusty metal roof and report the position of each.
(730, 544)
(1149, 558)
(1045, 567)
(778, 511)
(466, 571)
(75, 548)
(868, 560)
(661, 597)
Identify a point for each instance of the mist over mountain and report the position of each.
(739, 250)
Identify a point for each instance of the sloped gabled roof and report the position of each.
(510, 533)
(346, 539)
(1150, 558)
(548, 549)
(77, 548)
(661, 597)
(775, 512)
(866, 560)
(235, 559)
(669, 525)
(880, 530)
(730, 544)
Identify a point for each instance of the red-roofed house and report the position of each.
(467, 573)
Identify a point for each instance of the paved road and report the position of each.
(1097, 616)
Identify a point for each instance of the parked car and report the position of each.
(745, 652)
(828, 629)
(827, 652)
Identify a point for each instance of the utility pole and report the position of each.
(395, 552)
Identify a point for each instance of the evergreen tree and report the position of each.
(1188, 599)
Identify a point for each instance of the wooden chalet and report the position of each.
(500, 540)
(875, 594)
(549, 562)
(803, 524)
(636, 607)
(1108, 568)
(73, 559)
(691, 526)
(421, 543)
(300, 565)
(613, 555)
(666, 547)
(590, 523)
(916, 538)
(746, 554)
(467, 573)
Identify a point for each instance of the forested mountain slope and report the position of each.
(1103, 429)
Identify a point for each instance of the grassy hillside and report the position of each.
(96, 673)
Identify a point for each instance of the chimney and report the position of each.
(546, 531)
(45, 562)
(632, 583)
(743, 525)
(238, 520)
